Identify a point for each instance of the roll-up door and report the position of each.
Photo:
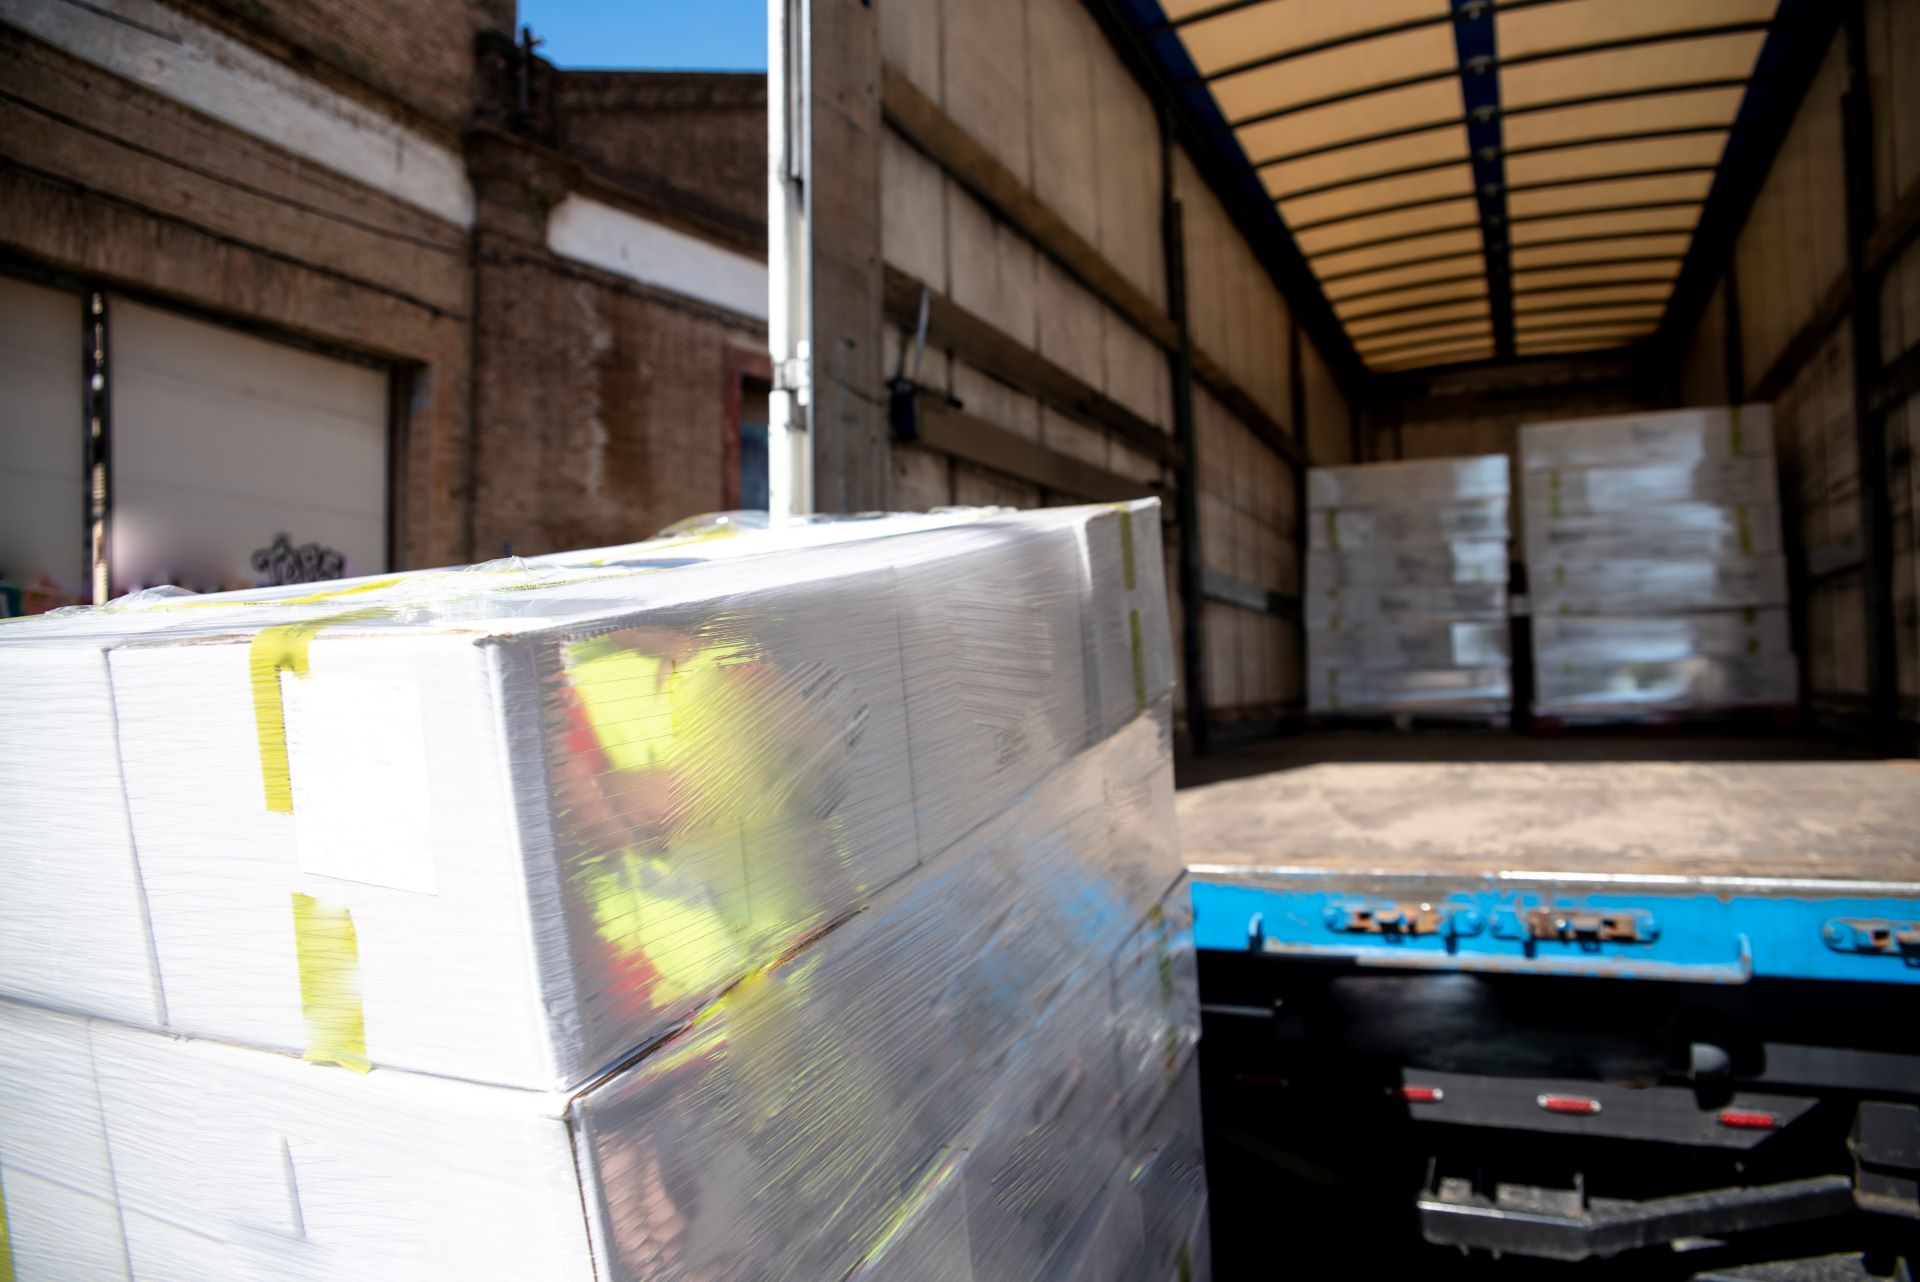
(42, 449)
(224, 442)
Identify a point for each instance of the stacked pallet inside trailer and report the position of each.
(1407, 589)
(1655, 565)
(794, 905)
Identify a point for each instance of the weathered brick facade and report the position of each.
(699, 137)
(545, 403)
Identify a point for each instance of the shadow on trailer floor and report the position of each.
(1461, 745)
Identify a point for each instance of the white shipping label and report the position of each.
(357, 755)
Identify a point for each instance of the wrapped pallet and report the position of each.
(1655, 564)
(784, 908)
(1407, 588)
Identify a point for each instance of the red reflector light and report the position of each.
(1748, 1121)
(1420, 1094)
(1576, 1104)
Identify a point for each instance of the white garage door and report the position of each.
(222, 442)
(43, 493)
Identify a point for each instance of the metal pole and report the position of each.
(789, 258)
(1193, 604)
(99, 449)
(1870, 426)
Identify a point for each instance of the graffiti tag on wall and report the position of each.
(283, 563)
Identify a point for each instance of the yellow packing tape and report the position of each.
(329, 956)
(6, 1241)
(276, 650)
(1128, 571)
(1139, 661)
(1333, 530)
(1746, 529)
(1739, 439)
(234, 601)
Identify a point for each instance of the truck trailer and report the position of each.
(1625, 970)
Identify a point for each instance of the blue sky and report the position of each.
(683, 35)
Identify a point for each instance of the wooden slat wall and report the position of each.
(972, 63)
(1329, 417)
(1893, 52)
(1469, 428)
(1791, 281)
(1703, 370)
(1792, 247)
(1020, 182)
(1248, 517)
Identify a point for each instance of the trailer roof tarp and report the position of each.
(1467, 179)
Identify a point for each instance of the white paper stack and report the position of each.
(1655, 564)
(765, 901)
(1407, 588)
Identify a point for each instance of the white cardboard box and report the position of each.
(1681, 531)
(877, 703)
(1653, 436)
(1727, 634)
(1415, 483)
(1575, 586)
(1628, 490)
(790, 1131)
(1615, 687)
(1362, 528)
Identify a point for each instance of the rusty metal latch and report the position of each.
(1580, 926)
(1390, 918)
(1880, 935)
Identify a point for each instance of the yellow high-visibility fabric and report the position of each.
(722, 874)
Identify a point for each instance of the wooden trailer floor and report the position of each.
(1458, 802)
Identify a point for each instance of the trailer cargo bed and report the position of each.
(1700, 870)
(1629, 820)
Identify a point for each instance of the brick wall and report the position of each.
(703, 135)
(600, 406)
(418, 53)
(548, 405)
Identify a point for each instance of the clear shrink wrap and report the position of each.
(1682, 531)
(1727, 634)
(1625, 491)
(510, 822)
(942, 1086)
(74, 931)
(1350, 607)
(1687, 436)
(1650, 586)
(1455, 561)
(1406, 593)
(1421, 643)
(1655, 563)
(59, 1219)
(1362, 529)
(1616, 686)
(73, 921)
(1431, 690)
(1417, 483)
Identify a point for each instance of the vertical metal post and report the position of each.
(1733, 341)
(789, 258)
(99, 447)
(1193, 603)
(1302, 531)
(1876, 516)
